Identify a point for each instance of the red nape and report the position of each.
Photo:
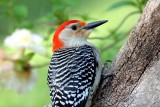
(57, 43)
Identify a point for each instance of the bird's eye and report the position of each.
(74, 27)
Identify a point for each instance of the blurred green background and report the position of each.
(43, 16)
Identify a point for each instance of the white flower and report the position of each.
(23, 38)
(15, 75)
(21, 82)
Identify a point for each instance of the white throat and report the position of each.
(75, 41)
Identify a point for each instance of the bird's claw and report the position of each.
(105, 74)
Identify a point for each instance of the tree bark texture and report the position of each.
(137, 66)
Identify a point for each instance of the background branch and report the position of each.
(118, 27)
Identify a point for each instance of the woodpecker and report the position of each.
(75, 67)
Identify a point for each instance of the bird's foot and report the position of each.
(105, 73)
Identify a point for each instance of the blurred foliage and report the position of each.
(137, 4)
(43, 17)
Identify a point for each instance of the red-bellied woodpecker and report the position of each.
(75, 68)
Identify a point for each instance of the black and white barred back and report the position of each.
(71, 75)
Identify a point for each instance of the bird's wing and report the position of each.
(71, 75)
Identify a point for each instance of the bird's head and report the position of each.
(73, 33)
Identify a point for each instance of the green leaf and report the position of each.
(20, 11)
(3, 2)
(19, 61)
(26, 24)
(122, 3)
(144, 2)
(29, 56)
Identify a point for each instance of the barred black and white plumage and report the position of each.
(71, 76)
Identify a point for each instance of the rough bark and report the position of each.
(137, 66)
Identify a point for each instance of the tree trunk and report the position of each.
(137, 66)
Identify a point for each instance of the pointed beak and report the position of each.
(92, 25)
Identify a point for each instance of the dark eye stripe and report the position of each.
(74, 27)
